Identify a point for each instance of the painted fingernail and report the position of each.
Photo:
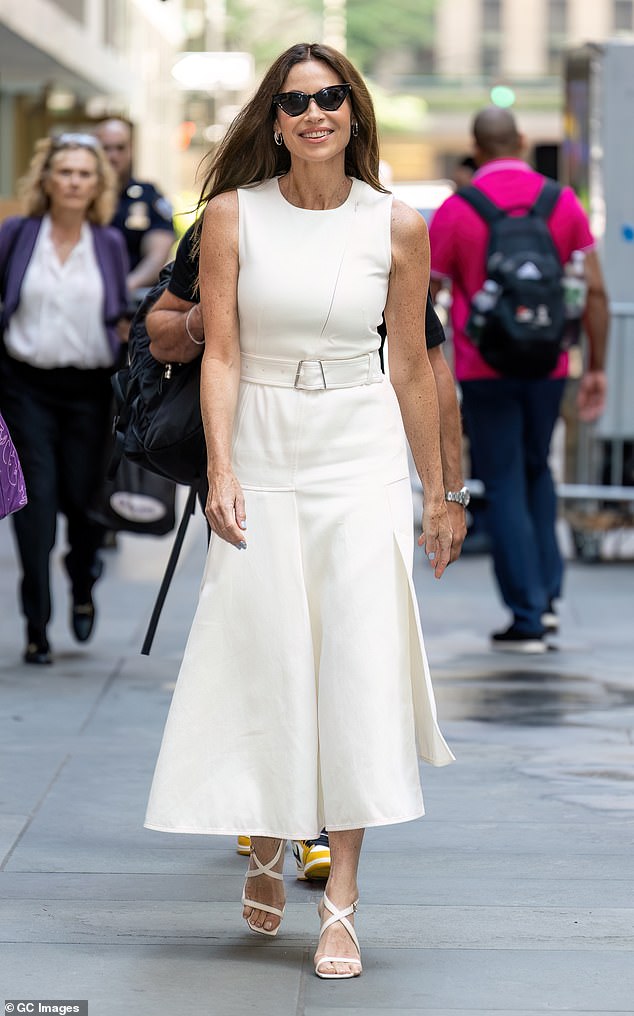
(431, 555)
(242, 545)
(242, 523)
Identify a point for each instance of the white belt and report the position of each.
(311, 375)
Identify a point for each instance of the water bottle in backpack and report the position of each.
(482, 303)
(575, 289)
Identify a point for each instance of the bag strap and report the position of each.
(547, 199)
(487, 210)
(188, 511)
(481, 204)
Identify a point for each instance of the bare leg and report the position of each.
(262, 888)
(341, 889)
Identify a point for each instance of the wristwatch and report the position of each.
(462, 496)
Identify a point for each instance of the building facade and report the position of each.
(67, 63)
(519, 44)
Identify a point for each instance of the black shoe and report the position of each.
(82, 620)
(514, 641)
(37, 650)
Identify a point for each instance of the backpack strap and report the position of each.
(487, 210)
(547, 199)
(481, 204)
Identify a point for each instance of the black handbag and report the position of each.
(163, 431)
(135, 501)
(159, 424)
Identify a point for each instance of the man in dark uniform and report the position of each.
(143, 215)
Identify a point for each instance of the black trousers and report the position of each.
(58, 420)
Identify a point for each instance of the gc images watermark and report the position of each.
(37, 1006)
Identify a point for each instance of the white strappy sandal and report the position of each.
(340, 916)
(264, 869)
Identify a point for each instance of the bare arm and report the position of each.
(450, 445)
(411, 373)
(156, 247)
(593, 385)
(220, 369)
(165, 323)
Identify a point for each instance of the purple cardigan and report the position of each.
(17, 240)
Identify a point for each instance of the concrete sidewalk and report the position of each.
(515, 895)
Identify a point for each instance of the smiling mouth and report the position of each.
(316, 134)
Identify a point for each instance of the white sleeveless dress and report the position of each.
(304, 691)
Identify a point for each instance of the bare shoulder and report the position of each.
(221, 219)
(409, 230)
(222, 210)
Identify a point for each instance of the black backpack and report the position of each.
(522, 333)
(158, 425)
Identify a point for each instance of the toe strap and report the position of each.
(334, 959)
(255, 905)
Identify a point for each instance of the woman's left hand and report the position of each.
(436, 537)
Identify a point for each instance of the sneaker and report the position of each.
(550, 620)
(312, 857)
(244, 846)
(514, 641)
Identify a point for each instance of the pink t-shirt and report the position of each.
(459, 241)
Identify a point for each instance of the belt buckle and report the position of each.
(300, 367)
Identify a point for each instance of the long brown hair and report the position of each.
(248, 153)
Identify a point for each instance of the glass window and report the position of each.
(557, 17)
(555, 61)
(623, 10)
(490, 61)
(491, 15)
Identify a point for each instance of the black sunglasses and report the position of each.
(328, 99)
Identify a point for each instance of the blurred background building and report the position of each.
(66, 63)
(431, 64)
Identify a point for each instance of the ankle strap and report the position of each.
(266, 869)
(341, 917)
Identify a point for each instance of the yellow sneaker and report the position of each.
(244, 845)
(312, 857)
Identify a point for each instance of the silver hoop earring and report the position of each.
(278, 139)
(354, 130)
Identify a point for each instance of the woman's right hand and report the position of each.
(225, 509)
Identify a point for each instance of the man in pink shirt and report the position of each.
(509, 421)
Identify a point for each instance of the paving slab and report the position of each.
(503, 980)
(338, 1011)
(379, 887)
(219, 980)
(143, 921)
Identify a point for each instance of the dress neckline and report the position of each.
(315, 211)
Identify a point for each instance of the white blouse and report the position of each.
(59, 321)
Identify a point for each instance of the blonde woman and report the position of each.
(63, 277)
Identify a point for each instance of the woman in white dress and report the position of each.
(304, 697)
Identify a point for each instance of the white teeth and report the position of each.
(315, 134)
